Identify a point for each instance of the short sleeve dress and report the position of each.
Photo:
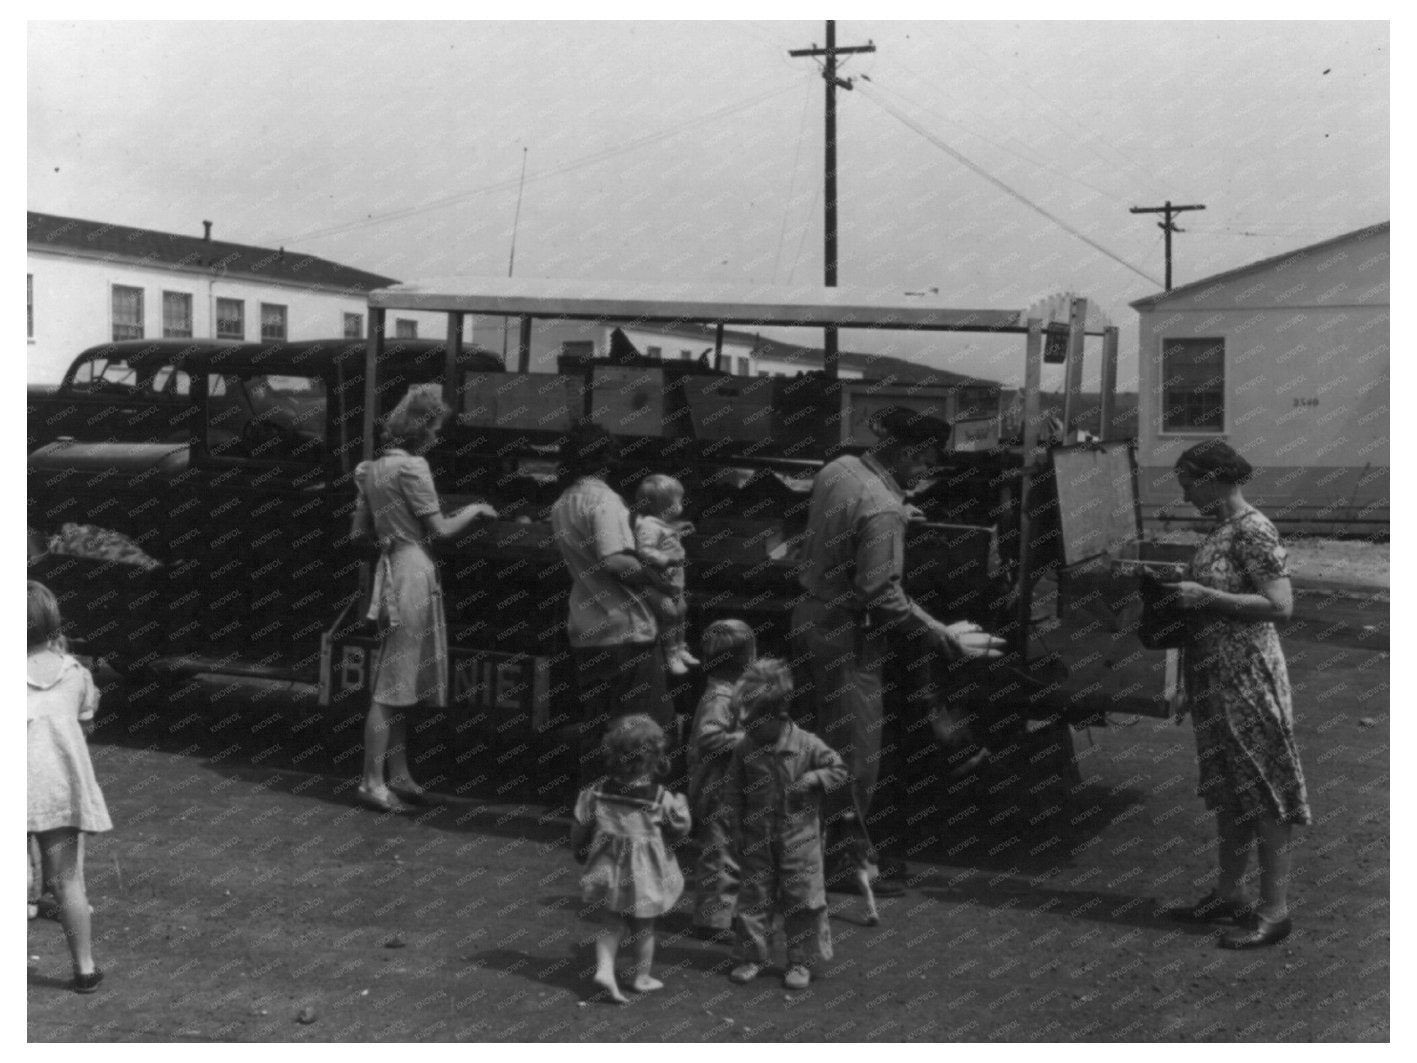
(629, 870)
(395, 493)
(62, 790)
(1237, 684)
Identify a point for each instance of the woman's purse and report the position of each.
(1163, 623)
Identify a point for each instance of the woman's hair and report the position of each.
(765, 689)
(633, 747)
(725, 641)
(657, 493)
(1214, 459)
(588, 448)
(43, 621)
(415, 421)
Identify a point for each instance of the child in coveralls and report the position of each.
(621, 823)
(772, 797)
(728, 648)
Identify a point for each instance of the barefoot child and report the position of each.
(728, 648)
(772, 796)
(621, 822)
(64, 801)
(659, 503)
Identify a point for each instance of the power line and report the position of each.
(1023, 155)
(497, 186)
(1168, 226)
(792, 185)
(971, 165)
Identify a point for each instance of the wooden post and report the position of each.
(718, 346)
(373, 355)
(524, 346)
(1106, 429)
(1072, 372)
(452, 386)
(1032, 384)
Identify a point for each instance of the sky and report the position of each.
(693, 150)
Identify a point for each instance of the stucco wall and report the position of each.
(1306, 383)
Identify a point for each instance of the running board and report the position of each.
(187, 665)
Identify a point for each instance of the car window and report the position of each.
(101, 373)
(266, 417)
(170, 381)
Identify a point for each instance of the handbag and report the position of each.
(1163, 623)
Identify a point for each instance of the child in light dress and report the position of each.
(621, 823)
(64, 801)
(659, 503)
(772, 796)
(728, 648)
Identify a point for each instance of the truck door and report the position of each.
(271, 555)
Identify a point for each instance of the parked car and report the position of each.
(134, 391)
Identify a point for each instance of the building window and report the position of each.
(354, 326)
(685, 355)
(176, 315)
(272, 321)
(1193, 385)
(127, 313)
(29, 305)
(653, 352)
(230, 319)
(405, 329)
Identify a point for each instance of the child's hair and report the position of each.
(43, 621)
(657, 493)
(632, 748)
(765, 689)
(726, 641)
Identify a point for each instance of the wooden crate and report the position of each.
(546, 401)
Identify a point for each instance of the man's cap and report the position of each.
(902, 425)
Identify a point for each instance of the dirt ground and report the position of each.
(242, 898)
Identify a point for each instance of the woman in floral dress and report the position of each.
(1237, 689)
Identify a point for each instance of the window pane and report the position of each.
(127, 313)
(230, 319)
(404, 329)
(176, 315)
(272, 321)
(354, 326)
(1193, 385)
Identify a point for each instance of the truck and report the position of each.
(250, 517)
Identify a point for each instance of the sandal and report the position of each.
(412, 794)
(384, 800)
(87, 983)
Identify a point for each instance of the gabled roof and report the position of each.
(1263, 264)
(76, 236)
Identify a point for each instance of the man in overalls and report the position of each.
(856, 609)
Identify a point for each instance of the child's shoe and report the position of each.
(798, 976)
(745, 973)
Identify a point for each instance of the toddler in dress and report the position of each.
(64, 801)
(631, 878)
(659, 503)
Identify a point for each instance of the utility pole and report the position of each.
(830, 52)
(1168, 226)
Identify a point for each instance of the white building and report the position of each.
(1287, 359)
(89, 282)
